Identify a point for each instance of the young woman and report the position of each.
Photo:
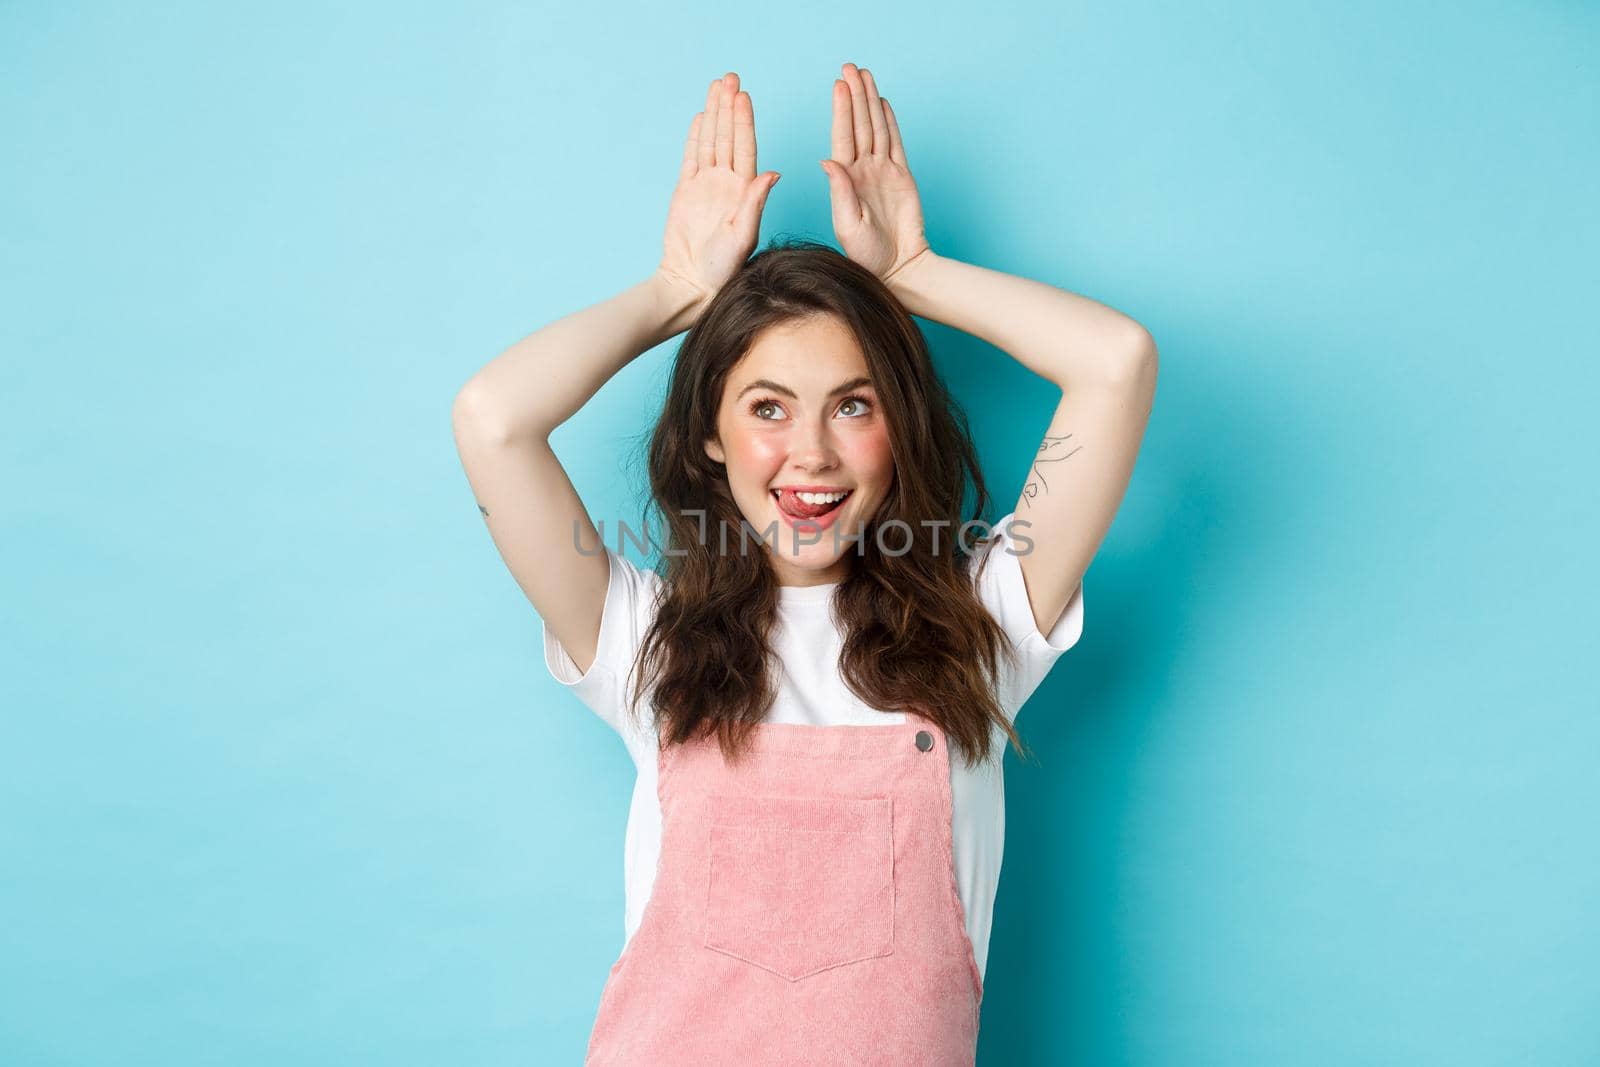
(819, 689)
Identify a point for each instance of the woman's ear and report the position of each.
(714, 450)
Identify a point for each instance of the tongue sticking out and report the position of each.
(793, 505)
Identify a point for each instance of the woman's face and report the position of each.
(799, 413)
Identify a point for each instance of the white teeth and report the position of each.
(822, 498)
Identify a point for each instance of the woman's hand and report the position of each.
(715, 215)
(877, 215)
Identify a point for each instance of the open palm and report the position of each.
(714, 218)
(877, 214)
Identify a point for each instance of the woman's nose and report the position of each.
(812, 448)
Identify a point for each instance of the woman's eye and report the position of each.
(851, 407)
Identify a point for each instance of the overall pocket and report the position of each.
(798, 885)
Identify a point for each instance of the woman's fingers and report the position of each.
(897, 151)
(744, 136)
(724, 138)
(880, 129)
(841, 196)
(691, 150)
(844, 138)
(755, 201)
(861, 122)
(705, 153)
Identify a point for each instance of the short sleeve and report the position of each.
(630, 604)
(1001, 588)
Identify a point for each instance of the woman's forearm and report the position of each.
(1060, 336)
(541, 381)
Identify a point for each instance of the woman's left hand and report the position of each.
(877, 214)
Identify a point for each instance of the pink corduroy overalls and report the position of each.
(804, 911)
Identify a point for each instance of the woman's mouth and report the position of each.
(809, 507)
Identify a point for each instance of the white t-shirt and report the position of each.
(811, 691)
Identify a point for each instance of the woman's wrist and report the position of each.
(906, 280)
(679, 300)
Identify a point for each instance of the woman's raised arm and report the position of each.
(1103, 361)
(504, 415)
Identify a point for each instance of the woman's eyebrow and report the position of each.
(768, 383)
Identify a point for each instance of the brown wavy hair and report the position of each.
(916, 636)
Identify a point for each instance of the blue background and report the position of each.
(282, 776)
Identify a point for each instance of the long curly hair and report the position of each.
(916, 637)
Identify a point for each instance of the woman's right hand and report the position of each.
(715, 216)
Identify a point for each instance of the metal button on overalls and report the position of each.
(924, 740)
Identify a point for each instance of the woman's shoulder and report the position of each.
(632, 597)
(996, 571)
